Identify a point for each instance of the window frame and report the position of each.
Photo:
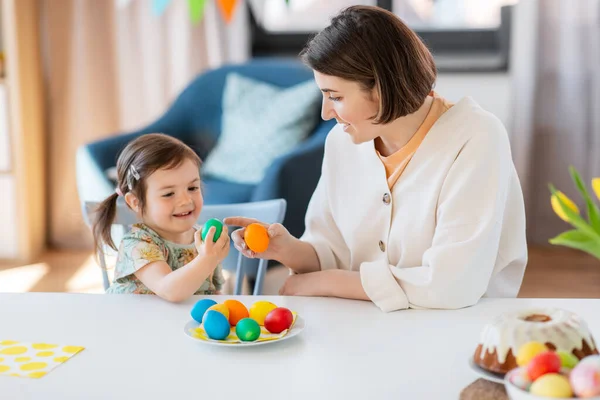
(455, 50)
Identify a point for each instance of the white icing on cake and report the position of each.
(510, 330)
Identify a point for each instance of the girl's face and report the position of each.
(350, 105)
(173, 200)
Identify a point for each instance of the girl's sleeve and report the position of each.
(136, 251)
(218, 279)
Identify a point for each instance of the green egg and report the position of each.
(218, 228)
(567, 360)
(247, 330)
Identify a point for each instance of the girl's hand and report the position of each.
(217, 251)
(279, 238)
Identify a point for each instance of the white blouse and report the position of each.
(452, 229)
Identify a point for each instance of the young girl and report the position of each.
(159, 178)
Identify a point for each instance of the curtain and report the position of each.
(555, 59)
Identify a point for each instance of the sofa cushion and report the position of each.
(260, 122)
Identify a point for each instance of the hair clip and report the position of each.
(119, 192)
(134, 172)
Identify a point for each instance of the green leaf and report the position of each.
(574, 218)
(592, 209)
(578, 240)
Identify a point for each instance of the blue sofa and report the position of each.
(195, 118)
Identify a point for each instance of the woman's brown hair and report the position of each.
(373, 47)
(138, 160)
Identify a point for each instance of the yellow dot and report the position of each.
(44, 346)
(37, 374)
(1, 359)
(45, 354)
(72, 349)
(14, 375)
(33, 366)
(13, 351)
(4, 368)
(61, 359)
(22, 359)
(8, 342)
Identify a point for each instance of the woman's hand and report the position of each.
(280, 240)
(328, 283)
(311, 284)
(215, 251)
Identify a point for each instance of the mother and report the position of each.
(419, 204)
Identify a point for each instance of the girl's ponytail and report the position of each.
(104, 217)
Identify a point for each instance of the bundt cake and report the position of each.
(560, 330)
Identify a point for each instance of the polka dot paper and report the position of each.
(33, 360)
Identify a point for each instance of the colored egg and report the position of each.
(547, 362)
(237, 311)
(278, 320)
(585, 379)
(567, 360)
(256, 237)
(260, 309)
(520, 378)
(215, 325)
(593, 359)
(222, 308)
(210, 223)
(551, 385)
(529, 350)
(200, 308)
(247, 330)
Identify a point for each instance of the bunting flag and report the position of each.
(196, 9)
(159, 6)
(227, 8)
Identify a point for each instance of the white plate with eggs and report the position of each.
(298, 326)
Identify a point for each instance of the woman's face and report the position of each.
(350, 105)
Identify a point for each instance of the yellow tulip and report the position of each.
(596, 186)
(558, 209)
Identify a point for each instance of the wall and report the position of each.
(491, 90)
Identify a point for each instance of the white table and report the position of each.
(136, 348)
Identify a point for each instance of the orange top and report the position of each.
(397, 162)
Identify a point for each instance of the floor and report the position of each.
(553, 272)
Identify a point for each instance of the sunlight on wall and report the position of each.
(22, 279)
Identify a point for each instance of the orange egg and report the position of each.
(256, 238)
(237, 311)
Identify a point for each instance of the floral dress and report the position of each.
(142, 246)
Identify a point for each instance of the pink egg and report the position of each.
(520, 378)
(585, 379)
(593, 360)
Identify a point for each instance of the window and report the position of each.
(464, 35)
(432, 15)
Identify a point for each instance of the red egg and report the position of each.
(547, 362)
(278, 320)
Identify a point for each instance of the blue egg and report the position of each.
(216, 325)
(200, 308)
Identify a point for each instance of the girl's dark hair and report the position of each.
(373, 47)
(138, 160)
